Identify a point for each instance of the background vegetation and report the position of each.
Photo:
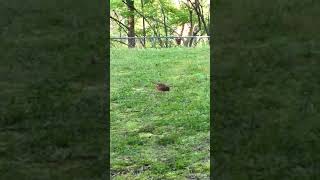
(159, 18)
(51, 113)
(266, 90)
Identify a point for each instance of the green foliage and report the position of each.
(176, 16)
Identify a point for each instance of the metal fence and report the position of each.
(160, 42)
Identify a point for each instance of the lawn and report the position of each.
(266, 90)
(160, 135)
(51, 114)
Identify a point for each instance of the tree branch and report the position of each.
(198, 9)
(147, 17)
(119, 42)
(119, 22)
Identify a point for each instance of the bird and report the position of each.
(162, 87)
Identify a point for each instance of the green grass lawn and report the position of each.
(266, 73)
(160, 135)
(51, 114)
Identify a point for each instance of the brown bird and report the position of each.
(162, 87)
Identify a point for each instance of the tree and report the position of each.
(131, 31)
(159, 18)
(143, 25)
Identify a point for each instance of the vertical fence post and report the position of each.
(154, 42)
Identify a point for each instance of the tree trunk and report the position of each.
(187, 42)
(165, 25)
(131, 32)
(143, 26)
(197, 7)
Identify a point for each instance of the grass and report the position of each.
(51, 97)
(266, 90)
(160, 135)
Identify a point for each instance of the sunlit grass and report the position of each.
(154, 134)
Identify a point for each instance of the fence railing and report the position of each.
(159, 41)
